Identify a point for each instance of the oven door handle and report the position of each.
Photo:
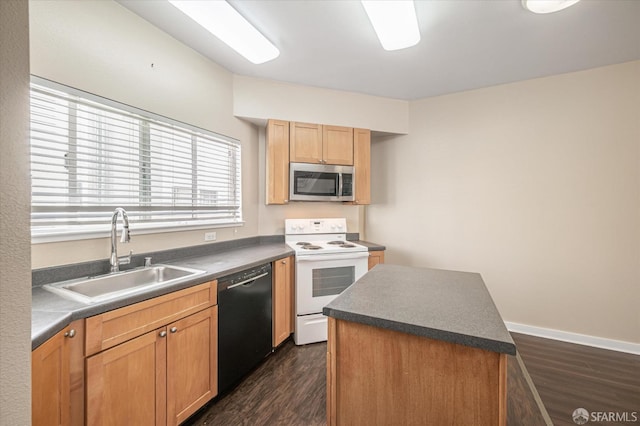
(324, 257)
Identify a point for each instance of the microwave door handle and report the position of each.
(340, 183)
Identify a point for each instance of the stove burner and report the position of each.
(311, 247)
(347, 245)
(336, 243)
(303, 243)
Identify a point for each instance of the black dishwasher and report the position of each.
(244, 323)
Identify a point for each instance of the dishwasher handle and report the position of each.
(247, 281)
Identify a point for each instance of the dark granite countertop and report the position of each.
(50, 312)
(446, 305)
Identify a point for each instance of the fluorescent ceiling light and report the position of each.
(224, 22)
(395, 22)
(547, 6)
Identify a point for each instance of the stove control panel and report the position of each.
(315, 226)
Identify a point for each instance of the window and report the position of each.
(90, 155)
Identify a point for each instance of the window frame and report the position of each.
(80, 232)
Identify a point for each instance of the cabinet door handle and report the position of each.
(162, 333)
(70, 334)
(173, 329)
(284, 262)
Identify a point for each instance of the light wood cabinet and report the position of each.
(283, 309)
(127, 383)
(362, 165)
(192, 364)
(380, 376)
(375, 257)
(316, 143)
(337, 145)
(298, 142)
(305, 142)
(117, 326)
(57, 379)
(277, 140)
(154, 362)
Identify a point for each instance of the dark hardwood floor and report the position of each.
(289, 387)
(569, 376)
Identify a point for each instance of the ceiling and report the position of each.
(466, 44)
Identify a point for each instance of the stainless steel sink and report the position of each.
(109, 286)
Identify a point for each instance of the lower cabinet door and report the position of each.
(192, 364)
(127, 383)
(50, 383)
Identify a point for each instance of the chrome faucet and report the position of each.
(114, 259)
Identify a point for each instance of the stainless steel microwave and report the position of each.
(320, 182)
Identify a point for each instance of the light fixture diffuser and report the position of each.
(547, 6)
(224, 22)
(394, 21)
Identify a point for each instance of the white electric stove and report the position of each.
(326, 264)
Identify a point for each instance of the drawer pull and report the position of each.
(70, 334)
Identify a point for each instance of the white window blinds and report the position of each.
(90, 155)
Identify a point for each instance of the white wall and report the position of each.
(103, 48)
(536, 185)
(15, 268)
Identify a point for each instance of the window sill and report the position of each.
(141, 229)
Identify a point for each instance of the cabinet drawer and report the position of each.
(112, 328)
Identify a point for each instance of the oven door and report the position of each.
(321, 277)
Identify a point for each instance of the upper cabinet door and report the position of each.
(337, 145)
(277, 162)
(362, 163)
(305, 142)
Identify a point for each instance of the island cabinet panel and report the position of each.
(424, 381)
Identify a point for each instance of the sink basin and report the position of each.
(109, 286)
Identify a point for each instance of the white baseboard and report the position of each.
(581, 339)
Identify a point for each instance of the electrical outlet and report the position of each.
(209, 236)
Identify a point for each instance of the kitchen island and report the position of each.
(416, 346)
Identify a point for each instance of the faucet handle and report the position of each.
(147, 261)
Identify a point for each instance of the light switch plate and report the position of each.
(209, 236)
